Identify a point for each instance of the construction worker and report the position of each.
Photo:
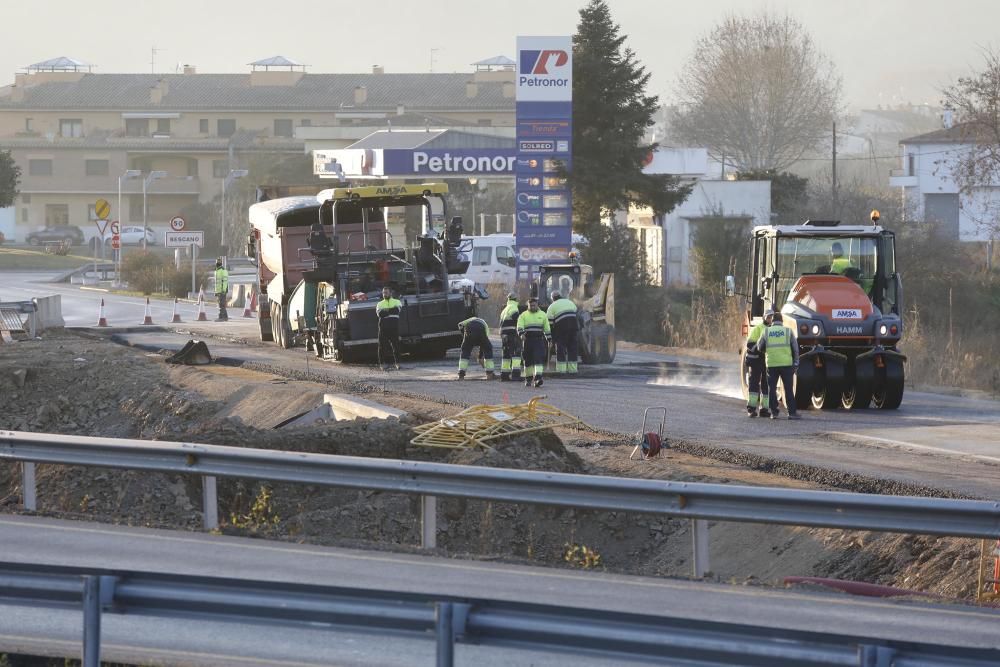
(562, 318)
(510, 342)
(388, 311)
(476, 333)
(838, 263)
(781, 354)
(221, 290)
(533, 326)
(756, 374)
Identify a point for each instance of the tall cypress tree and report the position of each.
(611, 113)
(10, 177)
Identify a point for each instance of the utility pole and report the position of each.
(433, 51)
(835, 207)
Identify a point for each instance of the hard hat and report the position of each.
(556, 295)
(512, 297)
(770, 312)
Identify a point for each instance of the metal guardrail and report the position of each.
(615, 635)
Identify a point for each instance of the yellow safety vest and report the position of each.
(778, 352)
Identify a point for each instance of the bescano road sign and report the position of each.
(184, 239)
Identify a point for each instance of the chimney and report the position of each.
(508, 89)
(400, 109)
(378, 69)
(948, 118)
(360, 95)
(471, 89)
(190, 69)
(157, 92)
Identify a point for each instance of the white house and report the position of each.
(668, 239)
(931, 193)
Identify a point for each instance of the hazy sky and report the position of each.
(886, 50)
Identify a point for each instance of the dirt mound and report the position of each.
(541, 451)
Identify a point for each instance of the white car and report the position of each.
(133, 236)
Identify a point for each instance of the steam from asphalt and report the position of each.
(718, 381)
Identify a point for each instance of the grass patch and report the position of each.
(23, 259)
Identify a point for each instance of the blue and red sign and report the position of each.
(543, 204)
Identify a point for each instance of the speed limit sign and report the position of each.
(177, 223)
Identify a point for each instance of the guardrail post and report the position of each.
(445, 632)
(699, 534)
(28, 489)
(92, 621)
(428, 522)
(875, 656)
(209, 502)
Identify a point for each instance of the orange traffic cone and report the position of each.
(148, 319)
(251, 306)
(177, 316)
(101, 320)
(201, 306)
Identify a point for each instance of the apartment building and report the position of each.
(75, 133)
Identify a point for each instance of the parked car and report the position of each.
(62, 233)
(133, 236)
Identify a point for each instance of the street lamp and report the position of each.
(150, 177)
(474, 182)
(230, 177)
(130, 173)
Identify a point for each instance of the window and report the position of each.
(24, 215)
(137, 127)
(70, 127)
(283, 127)
(485, 122)
(203, 126)
(345, 121)
(56, 215)
(192, 167)
(225, 127)
(481, 256)
(505, 255)
(96, 167)
(135, 207)
(28, 125)
(39, 167)
(220, 168)
(305, 122)
(163, 126)
(143, 164)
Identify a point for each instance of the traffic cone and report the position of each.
(101, 320)
(201, 306)
(253, 300)
(251, 306)
(177, 316)
(148, 319)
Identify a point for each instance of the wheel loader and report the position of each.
(837, 288)
(595, 305)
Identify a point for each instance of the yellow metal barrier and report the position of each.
(478, 425)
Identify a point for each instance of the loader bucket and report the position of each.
(194, 353)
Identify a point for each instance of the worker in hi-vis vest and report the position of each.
(756, 374)
(781, 354)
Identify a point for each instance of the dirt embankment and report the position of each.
(86, 386)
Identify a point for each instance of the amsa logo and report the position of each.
(847, 314)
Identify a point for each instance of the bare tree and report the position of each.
(975, 101)
(757, 92)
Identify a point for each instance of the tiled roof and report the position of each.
(232, 92)
(432, 139)
(242, 140)
(962, 133)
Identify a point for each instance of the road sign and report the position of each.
(102, 226)
(116, 243)
(102, 208)
(115, 227)
(184, 239)
(177, 223)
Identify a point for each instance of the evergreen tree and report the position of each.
(10, 178)
(611, 113)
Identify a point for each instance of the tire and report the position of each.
(284, 330)
(889, 394)
(609, 346)
(264, 324)
(828, 391)
(587, 344)
(858, 392)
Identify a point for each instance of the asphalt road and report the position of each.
(937, 441)
(54, 542)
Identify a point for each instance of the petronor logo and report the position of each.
(543, 61)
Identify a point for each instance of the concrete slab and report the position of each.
(351, 407)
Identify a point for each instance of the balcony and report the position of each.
(103, 185)
(902, 178)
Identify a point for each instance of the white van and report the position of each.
(491, 259)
